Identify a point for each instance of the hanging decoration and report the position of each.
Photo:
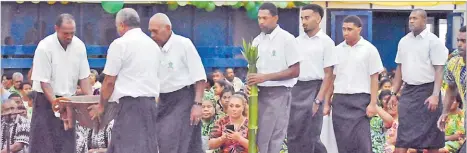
(51, 2)
(64, 2)
(112, 6)
(253, 13)
(172, 7)
(210, 6)
(20, 2)
(182, 3)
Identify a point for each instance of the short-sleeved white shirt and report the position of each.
(418, 54)
(180, 64)
(61, 68)
(356, 65)
(134, 58)
(317, 54)
(277, 52)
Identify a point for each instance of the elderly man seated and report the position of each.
(18, 125)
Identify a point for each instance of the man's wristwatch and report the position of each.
(198, 103)
(393, 93)
(317, 101)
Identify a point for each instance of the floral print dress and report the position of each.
(454, 124)
(229, 146)
(377, 134)
(391, 134)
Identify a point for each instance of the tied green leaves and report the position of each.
(250, 53)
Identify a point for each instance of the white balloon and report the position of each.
(182, 3)
(219, 3)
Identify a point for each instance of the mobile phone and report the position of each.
(230, 127)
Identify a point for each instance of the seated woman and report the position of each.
(208, 119)
(223, 102)
(391, 133)
(379, 123)
(230, 133)
(454, 127)
(89, 141)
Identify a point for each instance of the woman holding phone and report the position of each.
(230, 133)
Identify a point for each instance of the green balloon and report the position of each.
(282, 5)
(237, 5)
(112, 6)
(250, 5)
(172, 7)
(210, 7)
(201, 5)
(253, 13)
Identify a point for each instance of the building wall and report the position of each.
(27, 23)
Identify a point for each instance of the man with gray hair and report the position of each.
(182, 86)
(17, 80)
(60, 61)
(131, 80)
(420, 61)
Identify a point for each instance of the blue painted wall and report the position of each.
(96, 27)
(388, 29)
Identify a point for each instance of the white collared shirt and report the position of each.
(277, 52)
(356, 65)
(417, 55)
(134, 58)
(180, 64)
(61, 68)
(317, 54)
(237, 83)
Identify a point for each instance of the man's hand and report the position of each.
(256, 78)
(392, 102)
(432, 102)
(315, 108)
(326, 110)
(95, 111)
(196, 113)
(66, 114)
(56, 104)
(371, 110)
(442, 121)
(3, 151)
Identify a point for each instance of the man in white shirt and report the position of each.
(316, 50)
(60, 62)
(278, 67)
(131, 80)
(182, 86)
(420, 57)
(355, 89)
(235, 81)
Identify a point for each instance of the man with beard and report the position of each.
(355, 89)
(420, 57)
(182, 86)
(278, 67)
(60, 61)
(316, 48)
(456, 78)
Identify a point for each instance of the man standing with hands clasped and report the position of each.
(306, 114)
(355, 89)
(182, 86)
(60, 61)
(131, 80)
(278, 67)
(420, 61)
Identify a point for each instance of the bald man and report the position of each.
(420, 61)
(182, 86)
(131, 80)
